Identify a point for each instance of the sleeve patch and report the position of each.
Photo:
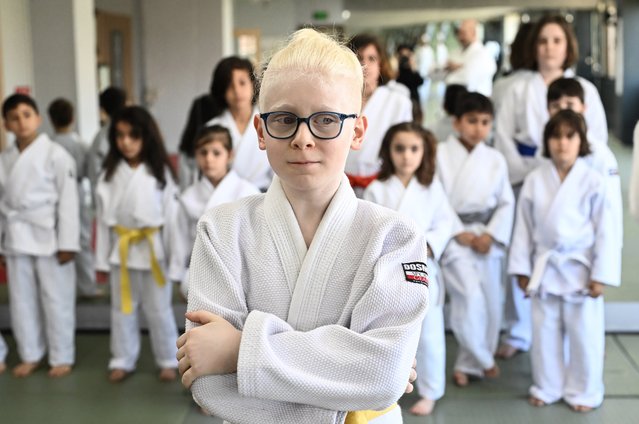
(416, 272)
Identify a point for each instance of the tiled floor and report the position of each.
(86, 396)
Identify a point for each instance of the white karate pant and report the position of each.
(42, 307)
(517, 316)
(473, 283)
(84, 267)
(125, 331)
(431, 351)
(4, 350)
(576, 375)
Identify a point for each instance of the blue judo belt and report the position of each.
(525, 149)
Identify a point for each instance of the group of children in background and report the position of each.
(561, 241)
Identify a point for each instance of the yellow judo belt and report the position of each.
(128, 236)
(363, 417)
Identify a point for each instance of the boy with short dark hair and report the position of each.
(40, 235)
(61, 115)
(475, 178)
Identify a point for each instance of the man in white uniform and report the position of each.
(477, 66)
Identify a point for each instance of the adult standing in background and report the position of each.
(477, 66)
(633, 192)
(386, 103)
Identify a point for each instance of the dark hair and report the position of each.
(519, 48)
(153, 153)
(223, 77)
(214, 133)
(60, 113)
(572, 49)
(214, 103)
(565, 87)
(112, 100)
(16, 100)
(361, 41)
(566, 120)
(452, 95)
(474, 102)
(426, 170)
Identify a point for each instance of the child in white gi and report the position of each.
(564, 250)
(135, 200)
(40, 235)
(216, 184)
(305, 302)
(407, 184)
(61, 117)
(475, 178)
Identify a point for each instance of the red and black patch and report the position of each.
(416, 272)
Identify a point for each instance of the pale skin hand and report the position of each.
(210, 349)
(465, 238)
(64, 257)
(595, 289)
(214, 347)
(481, 244)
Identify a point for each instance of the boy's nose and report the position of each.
(303, 137)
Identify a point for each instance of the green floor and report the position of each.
(86, 397)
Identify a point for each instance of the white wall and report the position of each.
(181, 47)
(64, 59)
(15, 45)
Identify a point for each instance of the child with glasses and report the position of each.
(305, 303)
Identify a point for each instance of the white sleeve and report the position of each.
(505, 130)
(181, 244)
(102, 234)
(68, 208)
(501, 223)
(633, 191)
(595, 113)
(606, 263)
(520, 259)
(443, 224)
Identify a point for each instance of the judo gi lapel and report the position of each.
(320, 259)
(536, 109)
(285, 232)
(21, 167)
(195, 201)
(412, 204)
(469, 171)
(226, 191)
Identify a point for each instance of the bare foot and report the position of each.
(460, 379)
(423, 407)
(25, 369)
(581, 408)
(117, 375)
(506, 351)
(59, 371)
(492, 372)
(536, 401)
(3, 367)
(168, 374)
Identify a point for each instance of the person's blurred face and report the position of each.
(573, 103)
(552, 48)
(239, 93)
(369, 57)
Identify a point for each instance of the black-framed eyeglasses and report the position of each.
(322, 125)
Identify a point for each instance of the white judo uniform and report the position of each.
(84, 261)
(39, 217)
(477, 70)
(564, 237)
(249, 161)
(519, 128)
(429, 208)
(133, 200)
(633, 191)
(4, 350)
(478, 190)
(193, 202)
(325, 329)
(390, 104)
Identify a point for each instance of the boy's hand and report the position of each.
(64, 257)
(212, 348)
(412, 377)
(465, 238)
(481, 244)
(595, 289)
(523, 281)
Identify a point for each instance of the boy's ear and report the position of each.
(258, 123)
(361, 124)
